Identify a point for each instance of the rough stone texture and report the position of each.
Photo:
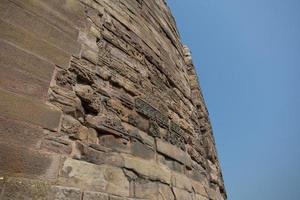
(99, 100)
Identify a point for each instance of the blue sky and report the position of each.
(247, 55)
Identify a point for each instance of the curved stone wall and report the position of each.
(99, 100)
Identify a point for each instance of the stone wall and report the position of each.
(99, 100)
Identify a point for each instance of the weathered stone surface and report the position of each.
(25, 40)
(107, 124)
(181, 181)
(20, 108)
(94, 177)
(55, 16)
(165, 192)
(199, 197)
(41, 29)
(20, 133)
(19, 188)
(64, 193)
(182, 194)
(146, 189)
(95, 196)
(149, 169)
(25, 162)
(22, 83)
(151, 112)
(198, 188)
(172, 152)
(14, 57)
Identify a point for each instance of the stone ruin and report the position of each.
(99, 100)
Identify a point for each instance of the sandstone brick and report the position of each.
(20, 160)
(4, 4)
(25, 189)
(165, 192)
(14, 57)
(20, 133)
(147, 168)
(29, 42)
(69, 10)
(182, 194)
(211, 193)
(172, 151)
(23, 83)
(41, 29)
(99, 156)
(103, 178)
(181, 181)
(199, 197)
(117, 198)
(199, 188)
(27, 109)
(41, 9)
(55, 143)
(95, 196)
(64, 193)
(142, 150)
(146, 189)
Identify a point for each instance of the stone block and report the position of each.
(23, 83)
(103, 178)
(25, 189)
(182, 194)
(4, 4)
(165, 192)
(27, 109)
(29, 42)
(117, 198)
(142, 150)
(95, 196)
(115, 143)
(14, 57)
(69, 10)
(54, 145)
(45, 12)
(98, 157)
(211, 193)
(64, 193)
(199, 197)
(199, 188)
(172, 151)
(147, 168)
(146, 189)
(20, 133)
(181, 181)
(41, 29)
(20, 160)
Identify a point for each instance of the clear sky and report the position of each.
(247, 55)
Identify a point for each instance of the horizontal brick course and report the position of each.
(27, 109)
